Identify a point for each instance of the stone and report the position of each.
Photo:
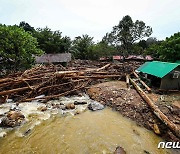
(119, 150)
(70, 106)
(12, 119)
(42, 108)
(15, 115)
(79, 103)
(95, 106)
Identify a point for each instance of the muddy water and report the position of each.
(86, 133)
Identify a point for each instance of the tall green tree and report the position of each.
(169, 50)
(82, 46)
(27, 27)
(17, 48)
(102, 49)
(127, 32)
(52, 41)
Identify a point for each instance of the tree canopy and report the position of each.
(17, 48)
(169, 50)
(127, 32)
(81, 46)
(52, 41)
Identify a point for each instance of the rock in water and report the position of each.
(12, 119)
(119, 150)
(95, 106)
(70, 106)
(79, 103)
(42, 108)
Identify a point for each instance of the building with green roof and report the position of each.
(169, 73)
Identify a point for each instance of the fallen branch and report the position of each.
(157, 111)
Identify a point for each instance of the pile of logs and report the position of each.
(48, 82)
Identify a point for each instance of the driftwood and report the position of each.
(142, 82)
(50, 81)
(55, 96)
(104, 67)
(156, 110)
(14, 91)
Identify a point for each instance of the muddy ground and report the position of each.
(129, 103)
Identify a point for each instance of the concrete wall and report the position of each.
(169, 83)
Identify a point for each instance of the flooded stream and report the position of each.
(85, 133)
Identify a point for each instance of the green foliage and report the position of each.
(102, 49)
(153, 51)
(52, 42)
(16, 48)
(126, 33)
(26, 27)
(169, 50)
(82, 47)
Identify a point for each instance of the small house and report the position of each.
(168, 73)
(54, 58)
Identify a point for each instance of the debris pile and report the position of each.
(49, 82)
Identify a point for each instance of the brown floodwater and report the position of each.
(86, 133)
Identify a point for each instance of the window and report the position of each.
(176, 74)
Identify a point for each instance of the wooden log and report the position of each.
(5, 79)
(156, 110)
(96, 76)
(142, 82)
(7, 92)
(102, 68)
(59, 85)
(54, 96)
(127, 80)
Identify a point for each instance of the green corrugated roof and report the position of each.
(157, 68)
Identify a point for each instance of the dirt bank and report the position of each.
(130, 104)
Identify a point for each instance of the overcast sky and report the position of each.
(92, 17)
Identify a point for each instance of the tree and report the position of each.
(26, 26)
(127, 32)
(52, 42)
(17, 48)
(102, 49)
(82, 46)
(151, 40)
(169, 50)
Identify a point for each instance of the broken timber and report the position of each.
(52, 81)
(156, 110)
(142, 82)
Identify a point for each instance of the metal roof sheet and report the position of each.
(157, 68)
